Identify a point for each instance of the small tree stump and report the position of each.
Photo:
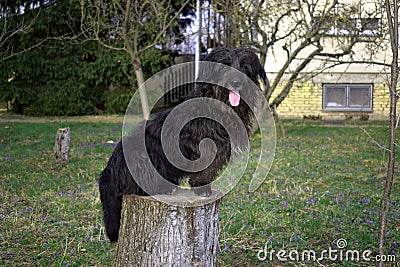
(154, 233)
(63, 139)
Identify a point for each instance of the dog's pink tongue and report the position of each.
(234, 98)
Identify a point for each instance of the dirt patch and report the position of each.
(6, 117)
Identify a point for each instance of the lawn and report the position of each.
(325, 184)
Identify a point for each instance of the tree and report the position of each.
(11, 26)
(392, 13)
(132, 27)
(25, 28)
(299, 30)
(47, 70)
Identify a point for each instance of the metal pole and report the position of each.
(198, 38)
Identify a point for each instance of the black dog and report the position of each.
(135, 163)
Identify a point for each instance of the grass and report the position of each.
(325, 184)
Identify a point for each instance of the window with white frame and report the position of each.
(345, 19)
(347, 97)
(368, 27)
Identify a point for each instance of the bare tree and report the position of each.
(13, 23)
(392, 12)
(126, 26)
(312, 35)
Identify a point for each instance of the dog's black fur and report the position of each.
(116, 179)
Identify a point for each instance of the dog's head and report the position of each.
(235, 85)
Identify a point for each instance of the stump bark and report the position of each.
(63, 139)
(154, 233)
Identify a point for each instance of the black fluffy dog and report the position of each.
(120, 178)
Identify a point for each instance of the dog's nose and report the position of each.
(236, 84)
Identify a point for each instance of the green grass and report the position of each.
(325, 183)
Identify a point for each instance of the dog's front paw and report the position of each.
(203, 191)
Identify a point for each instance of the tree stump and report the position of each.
(154, 233)
(63, 139)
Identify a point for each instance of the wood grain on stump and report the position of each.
(154, 233)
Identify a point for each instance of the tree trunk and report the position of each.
(137, 65)
(63, 139)
(154, 233)
(278, 120)
(393, 24)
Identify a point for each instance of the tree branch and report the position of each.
(286, 89)
(162, 31)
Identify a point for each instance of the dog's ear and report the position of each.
(263, 77)
(261, 74)
(250, 58)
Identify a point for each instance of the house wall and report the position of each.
(305, 101)
(306, 96)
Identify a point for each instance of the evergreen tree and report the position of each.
(48, 68)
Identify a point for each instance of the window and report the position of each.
(348, 18)
(347, 97)
(350, 27)
(369, 27)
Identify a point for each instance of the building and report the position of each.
(349, 87)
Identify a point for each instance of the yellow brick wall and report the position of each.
(381, 102)
(305, 100)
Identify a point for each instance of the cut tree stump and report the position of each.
(63, 139)
(154, 233)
